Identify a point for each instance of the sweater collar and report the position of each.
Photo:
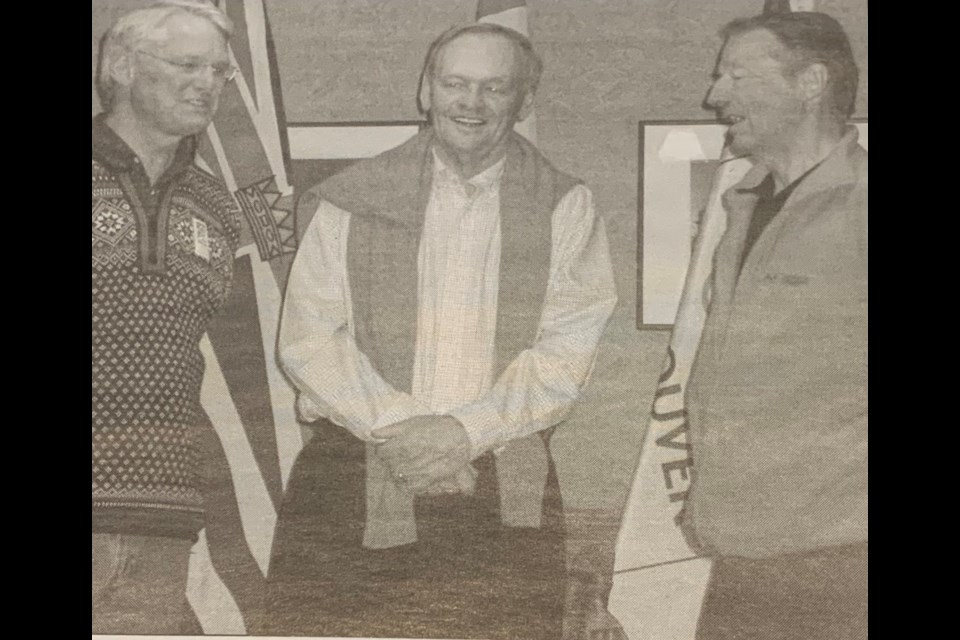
(112, 151)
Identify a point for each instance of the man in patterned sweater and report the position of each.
(164, 236)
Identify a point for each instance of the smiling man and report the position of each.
(441, 317)
(777, 396)
(164, 236)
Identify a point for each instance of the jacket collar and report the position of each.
(835, 170)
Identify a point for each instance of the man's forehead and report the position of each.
(480, 48)
(184, 29)
(756, 46)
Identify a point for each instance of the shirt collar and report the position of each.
(111, 150)
(486, 180)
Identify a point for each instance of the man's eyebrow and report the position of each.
(485, 81)
(199, 57)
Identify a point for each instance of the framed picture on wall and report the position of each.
(678, 160)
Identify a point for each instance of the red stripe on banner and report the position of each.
(277, 95)
(190, 625)
(209, 155)
(241, 142)
(229, 553)
(490, 7)
(776, 6)
(281, 266)
(237, 340)
(240, 42)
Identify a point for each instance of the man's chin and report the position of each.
(461, 136)
(461, 145)
(739, 146)
(185, 129)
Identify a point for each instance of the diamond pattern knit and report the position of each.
(148, 319)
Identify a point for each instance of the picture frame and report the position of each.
(677, 161)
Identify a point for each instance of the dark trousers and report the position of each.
(467, 576)
(817, 595)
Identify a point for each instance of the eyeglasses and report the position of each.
(224, 72)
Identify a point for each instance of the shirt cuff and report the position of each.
(401, 406)
(484, 428)
(307, 409)
(397, 406)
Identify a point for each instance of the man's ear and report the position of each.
(121, 69)
(526, 107)
(423, 99)
(812, 82)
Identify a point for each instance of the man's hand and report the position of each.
(423, 450)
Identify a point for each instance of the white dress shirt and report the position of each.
(458, 262)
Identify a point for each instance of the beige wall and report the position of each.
(609, 64)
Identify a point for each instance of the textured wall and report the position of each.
(609, 64)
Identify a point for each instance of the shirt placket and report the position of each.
(473, 238)
(151, 206)
(453, 323)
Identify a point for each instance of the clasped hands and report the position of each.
(426, 453)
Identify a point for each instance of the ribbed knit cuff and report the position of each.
(145, 521)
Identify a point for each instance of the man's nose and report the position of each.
(472, 96)
(208, 78)
(718, 94)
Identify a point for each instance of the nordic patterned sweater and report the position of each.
(162, 266)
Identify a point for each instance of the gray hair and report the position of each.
(810, 38)
(530, 62)
(136, 26)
